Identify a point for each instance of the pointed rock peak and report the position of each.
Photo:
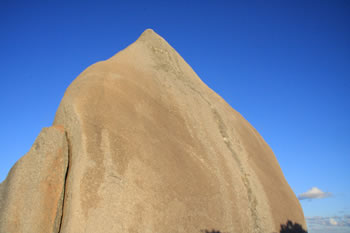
(154, 41)
(151, 47)
(149, 35)
(149, 32)
(151, 50)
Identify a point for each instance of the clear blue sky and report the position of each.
(284, 65)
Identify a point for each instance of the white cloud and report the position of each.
(333, 222)
(314, 193)
(339, 221)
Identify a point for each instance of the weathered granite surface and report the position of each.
(31, 197)
(151, 149)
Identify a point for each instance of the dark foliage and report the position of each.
(212, 231)
(291, 227)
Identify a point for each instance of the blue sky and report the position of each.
(284, 65)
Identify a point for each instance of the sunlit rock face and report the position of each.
(152, 149)
(31, 197)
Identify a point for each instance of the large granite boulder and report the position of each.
(153, 149)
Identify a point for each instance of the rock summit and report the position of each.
(140, 144)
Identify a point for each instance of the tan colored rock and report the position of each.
(31, 197)
(151, 149)
(155, 150)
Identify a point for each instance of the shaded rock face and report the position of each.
(153, 149)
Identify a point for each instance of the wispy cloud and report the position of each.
(314, 193)
(338, 224)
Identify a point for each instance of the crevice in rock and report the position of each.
(65, 181)
(244, 176)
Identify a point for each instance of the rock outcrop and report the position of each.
(31, 197)
(151, 149)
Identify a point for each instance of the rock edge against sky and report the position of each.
(140, 144)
